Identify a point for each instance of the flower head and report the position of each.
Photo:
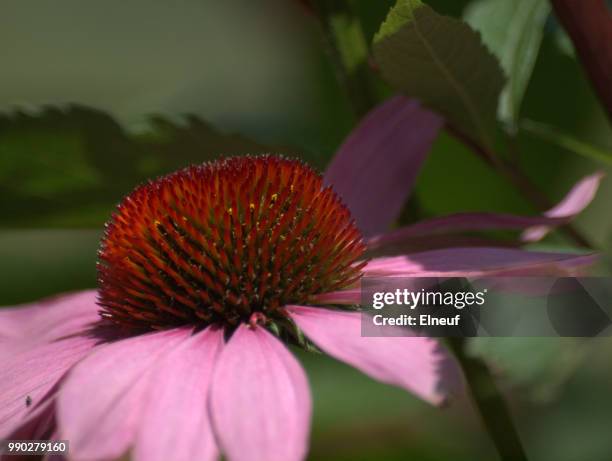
(224, 243)
(205, 274)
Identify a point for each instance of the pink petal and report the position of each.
(175, 424)
(260, 399)
(25, 326)
(397, 246)
(574, 202)
(463, 262)
(416, 364)
(101, 403)
(349, 296)
(380, 160)
(459, 222)
(35, 373)
(49, 315)
(37, 425)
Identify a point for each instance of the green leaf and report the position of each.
(441, 61)
(555, 136)
(69, 166)
(513, 32)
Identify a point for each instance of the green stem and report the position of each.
(348, 51)
(557, 137)
(490, 404)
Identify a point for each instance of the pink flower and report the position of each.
(204, 275)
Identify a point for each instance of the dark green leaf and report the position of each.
(441, 61)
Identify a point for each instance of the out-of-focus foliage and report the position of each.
(68, 166)
(513, 32)
(567, 142)
(36, 263)
(551, 362)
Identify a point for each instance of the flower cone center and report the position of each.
(224, 242)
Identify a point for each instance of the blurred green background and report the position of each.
(96, 97)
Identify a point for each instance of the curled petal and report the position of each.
(574, 202)
(444, 227)
(396, 244)
(417, 364)
(260, 400)
(535, 227)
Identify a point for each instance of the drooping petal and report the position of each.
(349, 296)
(574, 202)
(175, 423)
(25, 326)
(49, 315)
(401, 246)
(100, 404)
(417, 364)
(29, 378)
(380, 160)
(260, 399)
(464, 262)
(445, 226)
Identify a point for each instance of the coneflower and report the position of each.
(205, 275)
